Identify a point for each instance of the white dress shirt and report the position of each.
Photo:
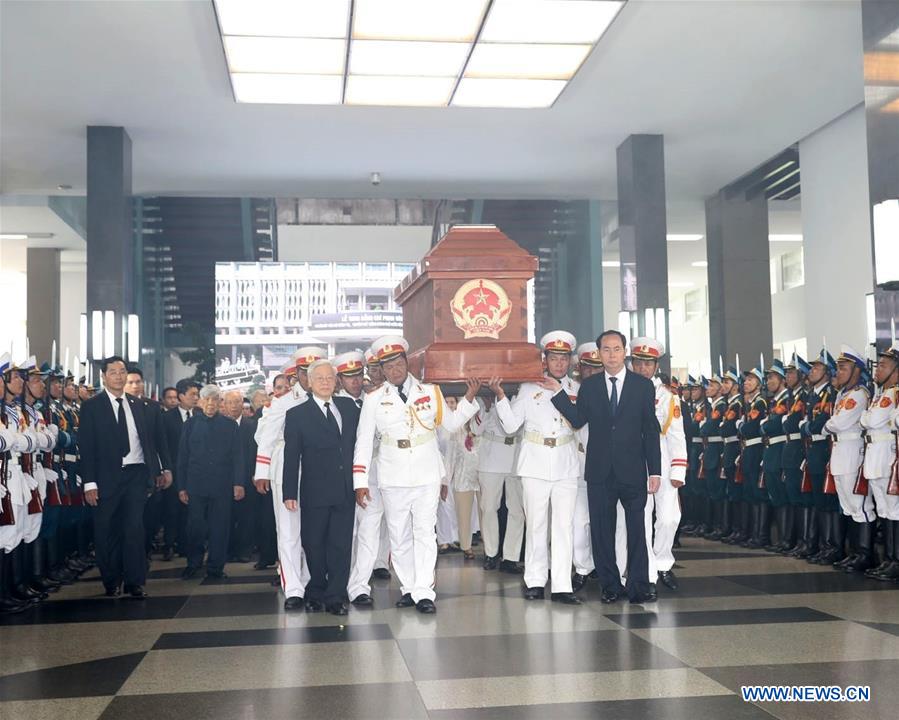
(185, 414)
(135, 454)
(334, 411)
(620, 382)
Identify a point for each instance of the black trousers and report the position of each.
(208, 517)
(602, 499)
(242, 519)
(119, 528)
(266, 537)
(327, 537)
(172, 517)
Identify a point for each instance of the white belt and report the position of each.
(538, 439)
(697, 440)
(71, 458)
(793, 436)
(777, 439)
(715, 439)
(501, 439)
(752, 441)
(843, 437)
(879, 437)
(819, 438)
(732, 439)
(406, 443)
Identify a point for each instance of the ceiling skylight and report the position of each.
(471, 53)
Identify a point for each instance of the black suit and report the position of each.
(243, 512)
(327, 500)
(122, 491)
(153, 509)
(174, 514)
(621, 452)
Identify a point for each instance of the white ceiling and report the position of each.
(729, 83)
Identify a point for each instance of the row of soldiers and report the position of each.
(45, 526)
(818, 451)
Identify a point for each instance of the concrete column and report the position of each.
(642, 230)
(42, 303)
(110, 255)
(739, 278)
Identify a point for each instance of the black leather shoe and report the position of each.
(44, 585)
(565, 598)
(135, 591)
(381, 574)
(24, 592)
(405, 601)
(578, 582)
(641, 598)
(112, 590)
(490, 563)
(507, 566)
(168, 554)
(263, 565)
(533, 593)
(338, 608)
(293, 603)
(426, 607)
(668, 579)
(11, 606)
(314, 606)
(609, 596)
(363, 600)
(217, 574)
(189, 572)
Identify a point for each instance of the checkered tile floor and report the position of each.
(226, 649)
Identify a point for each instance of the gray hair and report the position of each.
(209, 391)
(318, 364)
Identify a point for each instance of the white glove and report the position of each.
(30, 481)
(3, 491)
(51, 475)
(78, 481)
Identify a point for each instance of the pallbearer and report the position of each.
(880, 457)
(846, 460)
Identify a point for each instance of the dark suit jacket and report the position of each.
(210, 462)
(326, 458)
(101, 458)
(627, 445)
(172, 423)
(153, 412)
(247, 432)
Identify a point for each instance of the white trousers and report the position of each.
(492, 485)
(621, 541)
(291, 559)
(414, 554)
(667, 507)
(543, 498)
(370, 544)
(887, 505)
(447, 523)
(859, 507)
(582, 552)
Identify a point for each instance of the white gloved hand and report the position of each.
(30, 481)
(78, 481)
(3, 491)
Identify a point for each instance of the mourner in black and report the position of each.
(319, 438)
(174, 514)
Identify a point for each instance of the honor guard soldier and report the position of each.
(774, 439)
(799, 503)
(269, 477)
(880, 458)
(695, 487)
(402, 417)
(712, 448)
(846, 459)
(751, 455)
(79, 510)
(549, 468)
(740, 511)
(645, 354)
(371, 547)
(589, 363)
(826, 515)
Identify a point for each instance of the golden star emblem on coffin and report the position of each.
(481, 309)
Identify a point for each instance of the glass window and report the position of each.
(402, 269)
(347, 269)
(792, 270)
(377, 270)
(375, 302)
(694, 303)
(351, 301)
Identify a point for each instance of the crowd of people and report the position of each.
(350, 466)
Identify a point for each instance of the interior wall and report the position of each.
(366, 243)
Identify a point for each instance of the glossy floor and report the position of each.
(226, 649)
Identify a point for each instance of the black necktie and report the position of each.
(332, 421)
(613, 401)
(123, 429)
(359, 402)
(399, 389)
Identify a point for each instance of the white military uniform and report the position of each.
(549, 469)
(371, 547)
(410, 470)
(880, 450)
(16, 439)
(582, 540)
(447, 523)
(847, 454)
(270, 466)
(496, 470)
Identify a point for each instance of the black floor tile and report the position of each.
(891, 628)
(810, 582)
(99, 609)
(340, 702)
(264, 603)
(168, 573)
(686, 555)
(96, 677)
(529, 654)
(691, 708)
(273, 636)
(260, 579)
(698, 618)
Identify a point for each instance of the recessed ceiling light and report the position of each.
(784, 237)
(611, 263)
(27, 236)
(284, 18)
(550, 62)
(295, 89)
(446, 20)
(308, 56)
(508, 93)
(410, 91)
(63, 187)
(700, 264)
(391, 57)
(548, 21)
(13, 236)
(674, 237)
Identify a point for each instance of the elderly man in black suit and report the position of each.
(119, 466)
(624, 462)
(242, 515)
(320, 436)
(210, 474)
